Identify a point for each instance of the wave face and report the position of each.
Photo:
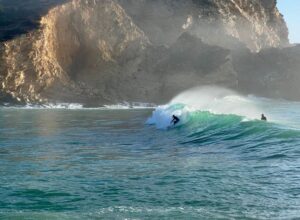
(213, 107)
(219, 163)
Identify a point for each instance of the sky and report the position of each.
(291, 12)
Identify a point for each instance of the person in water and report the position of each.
(263, 117)
(175, 120)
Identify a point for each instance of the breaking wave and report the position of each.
(218, 105)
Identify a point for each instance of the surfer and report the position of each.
(263, 117)
(175, 120)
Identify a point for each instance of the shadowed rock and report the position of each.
(99, 52)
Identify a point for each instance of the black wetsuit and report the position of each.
(175, 120)
(263, 118)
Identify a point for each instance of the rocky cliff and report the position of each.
(256, 23)
(108, 51)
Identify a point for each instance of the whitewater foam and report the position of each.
(133, 105)
(78, 106)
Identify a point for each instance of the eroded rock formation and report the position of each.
(108, 51)
(256, 23)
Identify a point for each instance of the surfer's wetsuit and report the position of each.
(263, 117)
(175, 120)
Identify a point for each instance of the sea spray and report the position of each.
(211, 99)
(218, 101)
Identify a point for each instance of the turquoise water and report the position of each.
(111, 164)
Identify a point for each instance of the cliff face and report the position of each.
(255, 23)
(79, 40)
(106, 51)
(272, 72)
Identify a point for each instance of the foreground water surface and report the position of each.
(109, 164)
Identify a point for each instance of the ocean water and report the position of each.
(219, 162)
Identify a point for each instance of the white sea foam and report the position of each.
(134, 105)
(78, 106)
(162, 115)
(71, 106)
